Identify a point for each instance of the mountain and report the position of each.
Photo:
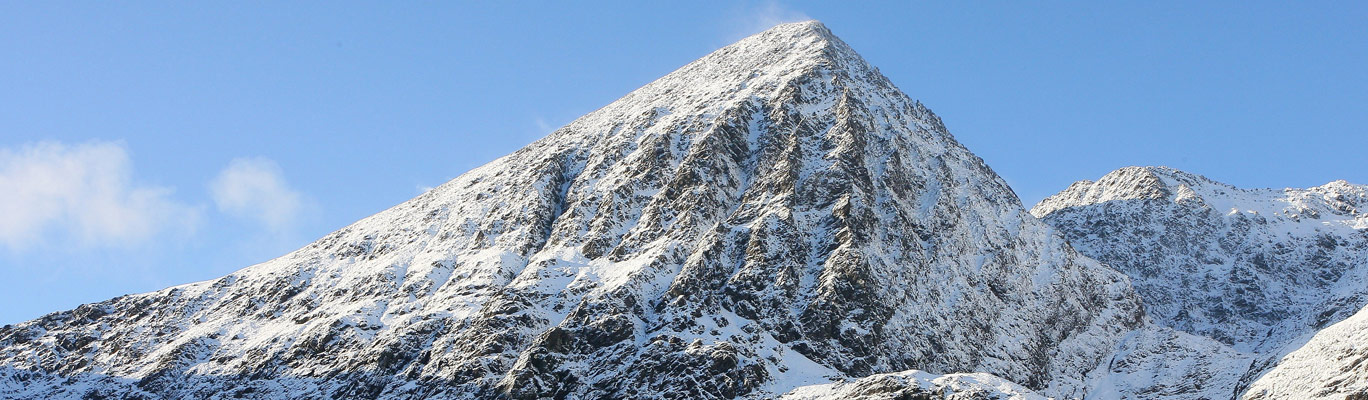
(772, 216)
(1258, 270)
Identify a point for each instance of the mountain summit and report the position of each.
(773, 215)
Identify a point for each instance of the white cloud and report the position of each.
(255, 188)
(757, 17)
(82, 193)
(543, 128)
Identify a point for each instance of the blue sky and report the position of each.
(144, 145)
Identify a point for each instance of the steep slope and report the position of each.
(1255, 269)
(1329, 366)
(775, 214)
(1156, 362)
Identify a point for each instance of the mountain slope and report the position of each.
(1256, 269)
(1157, 362)
(1329, 366)
(773, 215)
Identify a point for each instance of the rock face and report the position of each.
(1257, 270)
(1250, 268)
(773, 215)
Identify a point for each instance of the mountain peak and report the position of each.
(793, 36)
(794, 63)
(782, 52)
(810, 27)
(1135, 183)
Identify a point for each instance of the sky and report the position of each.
(145, 145)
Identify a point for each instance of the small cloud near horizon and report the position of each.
(543, 127)
(255, 188)
(84, 194)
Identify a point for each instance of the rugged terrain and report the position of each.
(773, 220)
(1258, 270)
(773, 215)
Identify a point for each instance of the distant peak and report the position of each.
(1146, 182)
(1341, 185)
(1169, 174)
(1150, 180)
(1134, 183)
(1181, 187)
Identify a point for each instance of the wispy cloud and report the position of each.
(255, 188)
(753, 18)
(542, 126)
(82, 194)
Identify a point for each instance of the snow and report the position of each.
(900, 385)
(1328, 366)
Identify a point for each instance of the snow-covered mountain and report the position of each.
(772, 216)
(1258, 270)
